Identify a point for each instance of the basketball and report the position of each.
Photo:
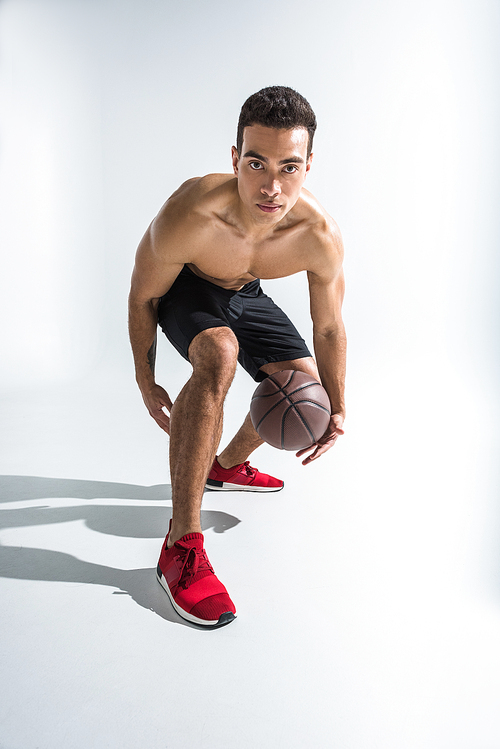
(290, 410)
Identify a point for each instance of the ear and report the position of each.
(235, 159)
(309, 162)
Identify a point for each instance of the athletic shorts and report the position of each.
(264, 332)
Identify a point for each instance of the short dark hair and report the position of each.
(279, 107)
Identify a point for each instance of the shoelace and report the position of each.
(194, 561)
(248, 470)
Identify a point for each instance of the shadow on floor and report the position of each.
(23, 563)
(114, 520)
(20, 563)
(22, 488)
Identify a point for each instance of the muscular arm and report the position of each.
(154, 272)
(142, 323)
(326, 290)
(329, 338)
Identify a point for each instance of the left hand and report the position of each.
(326, 441)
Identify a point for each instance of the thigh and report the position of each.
(190, 307)
(305, 364)
(266, 335)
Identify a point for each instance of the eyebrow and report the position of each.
(255, 155)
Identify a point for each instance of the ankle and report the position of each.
(177, 531)
(227, 464)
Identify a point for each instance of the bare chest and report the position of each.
(231, 262)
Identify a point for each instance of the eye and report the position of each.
(290, 169)
(255, 165)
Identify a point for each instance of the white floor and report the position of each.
(368, 592)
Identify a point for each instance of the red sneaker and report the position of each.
(241, 478)
(190, 582)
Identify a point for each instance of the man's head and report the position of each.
(277, 107)
(273, 152)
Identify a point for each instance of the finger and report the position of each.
(160, 405)
(320, 449)
(163, 427)
(166, 403)
(309, 459)
(333, 429)
(328, 440)
(162, 420)
(303, 451)
(316, 454)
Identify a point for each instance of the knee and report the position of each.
(214, 356)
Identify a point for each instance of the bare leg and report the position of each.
(246, 439)
(196, 425)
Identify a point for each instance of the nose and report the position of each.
(271, 188)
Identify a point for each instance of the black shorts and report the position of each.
(264, 332)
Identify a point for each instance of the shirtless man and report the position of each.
(197, 274)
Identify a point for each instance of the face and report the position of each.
(271, 170)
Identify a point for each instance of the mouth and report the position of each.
(268, 207)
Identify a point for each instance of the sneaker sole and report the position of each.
(224, 486)
(223, 619)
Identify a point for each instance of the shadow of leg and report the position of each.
(21, 563)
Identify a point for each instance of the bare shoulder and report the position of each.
(171, 238)
(196, 195)
(185, 214)
(324, 239)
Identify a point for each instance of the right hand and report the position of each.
(156, 399)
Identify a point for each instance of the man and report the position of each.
(197, 274)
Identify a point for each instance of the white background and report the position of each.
(381, 628)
